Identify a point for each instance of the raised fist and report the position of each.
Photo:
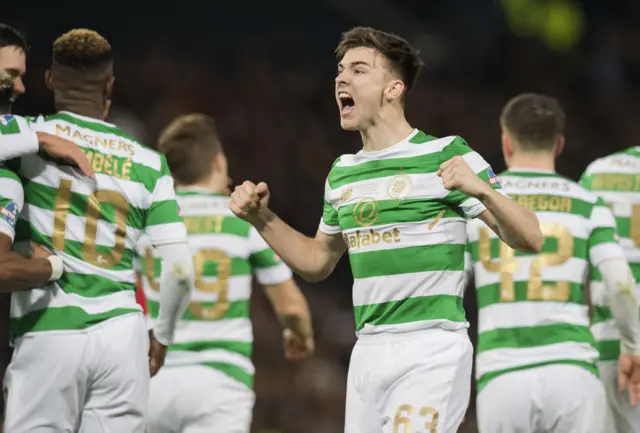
(250, 201)
(456, 174)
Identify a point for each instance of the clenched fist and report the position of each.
(456, 174)
(629, 376)
(249, 201)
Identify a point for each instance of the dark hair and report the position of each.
(535, 121)
(10, 37)
(402, 57)
(190, 143)
(82, 49)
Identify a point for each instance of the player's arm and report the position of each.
(468, 263)
(312, 258)
(18, 138)
(168, 235)
(475, 190)
(285, 297)
(17, 272)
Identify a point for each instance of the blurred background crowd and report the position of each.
(265, 71)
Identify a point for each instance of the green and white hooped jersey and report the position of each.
(405, 232)
(12, 131)
(615, 178)
(94, 225)
(216, 330)
(533, 309)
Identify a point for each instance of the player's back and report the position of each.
(93, 224)
(532, 308)
(216, 330)
(615, 178)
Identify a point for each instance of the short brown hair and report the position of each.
(402, 57)
(190, 143)
(82, 49)
(534, 120)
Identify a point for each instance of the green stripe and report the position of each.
(601, 313)
(437, 307)
(611, 182)
(44, 197)
(533, 336)
(487, 377)
(609, 349)
(550, 245)
(369, 213)
(233, 371)
(237, 347)
(92, 286)
(237, 310)
(420, 164)
(214, 224)
(490, 294)
(26, 231)
(264, 259)
(163, 212)
(10, 127)
(602, 235)
(329, 214)
(61, 319)
(440, 257)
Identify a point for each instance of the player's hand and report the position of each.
(65, 150)
(250, 201)
(629, 376)
(38, 251)
(297, 347)
(456, 174)
(157, 353)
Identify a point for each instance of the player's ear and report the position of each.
(394, 90)
(47, 79)
(108, 87)
(507, 147)
(559, 145)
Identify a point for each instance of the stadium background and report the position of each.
(265, 71)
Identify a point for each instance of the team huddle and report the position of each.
(87, 213)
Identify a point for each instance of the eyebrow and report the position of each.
(354, 64)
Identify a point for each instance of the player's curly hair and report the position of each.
(535, 121)
(82, 49)
(190, 143)
(403, 58)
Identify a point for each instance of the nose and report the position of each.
(18, 86)
(341, 79)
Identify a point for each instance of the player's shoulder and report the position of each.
(624, 160)
(12, 124)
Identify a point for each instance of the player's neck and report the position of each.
(213, 184)
(83, 107)
(533, 162)
(384, 133)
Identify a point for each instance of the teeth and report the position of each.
(343, 95)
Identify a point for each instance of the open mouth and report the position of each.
(346, 103)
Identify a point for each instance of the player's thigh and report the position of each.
(625, 417)
(165, 388)
(231, 411)
(361, 413)
(573, 401)
(505, 404)
(45, 384)
(433, 394)
(118, 397)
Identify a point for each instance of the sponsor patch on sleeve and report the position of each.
(9, 213)
(491, 176)
(5, 119)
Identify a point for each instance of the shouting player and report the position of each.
(81, 362)
(616, 178)
(399, 207)
(207, 382)
(535, 350)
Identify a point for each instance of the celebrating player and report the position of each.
(535, 350)
(399, 206)
(616, 179)
(210, 360)
(80, 362)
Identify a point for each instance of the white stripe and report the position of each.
(401, 328)
(501, 359)
(191, 331)
(53, 296)
(273, 275)
(375, 290)
(605, 251)
(529, 314)
(169, 233)
(605, 331)
(573, 270)
(186, 357)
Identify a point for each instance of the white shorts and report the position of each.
(625, 417)
(198, 399)
(90, 381)
(558, 398)
(420, 379)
